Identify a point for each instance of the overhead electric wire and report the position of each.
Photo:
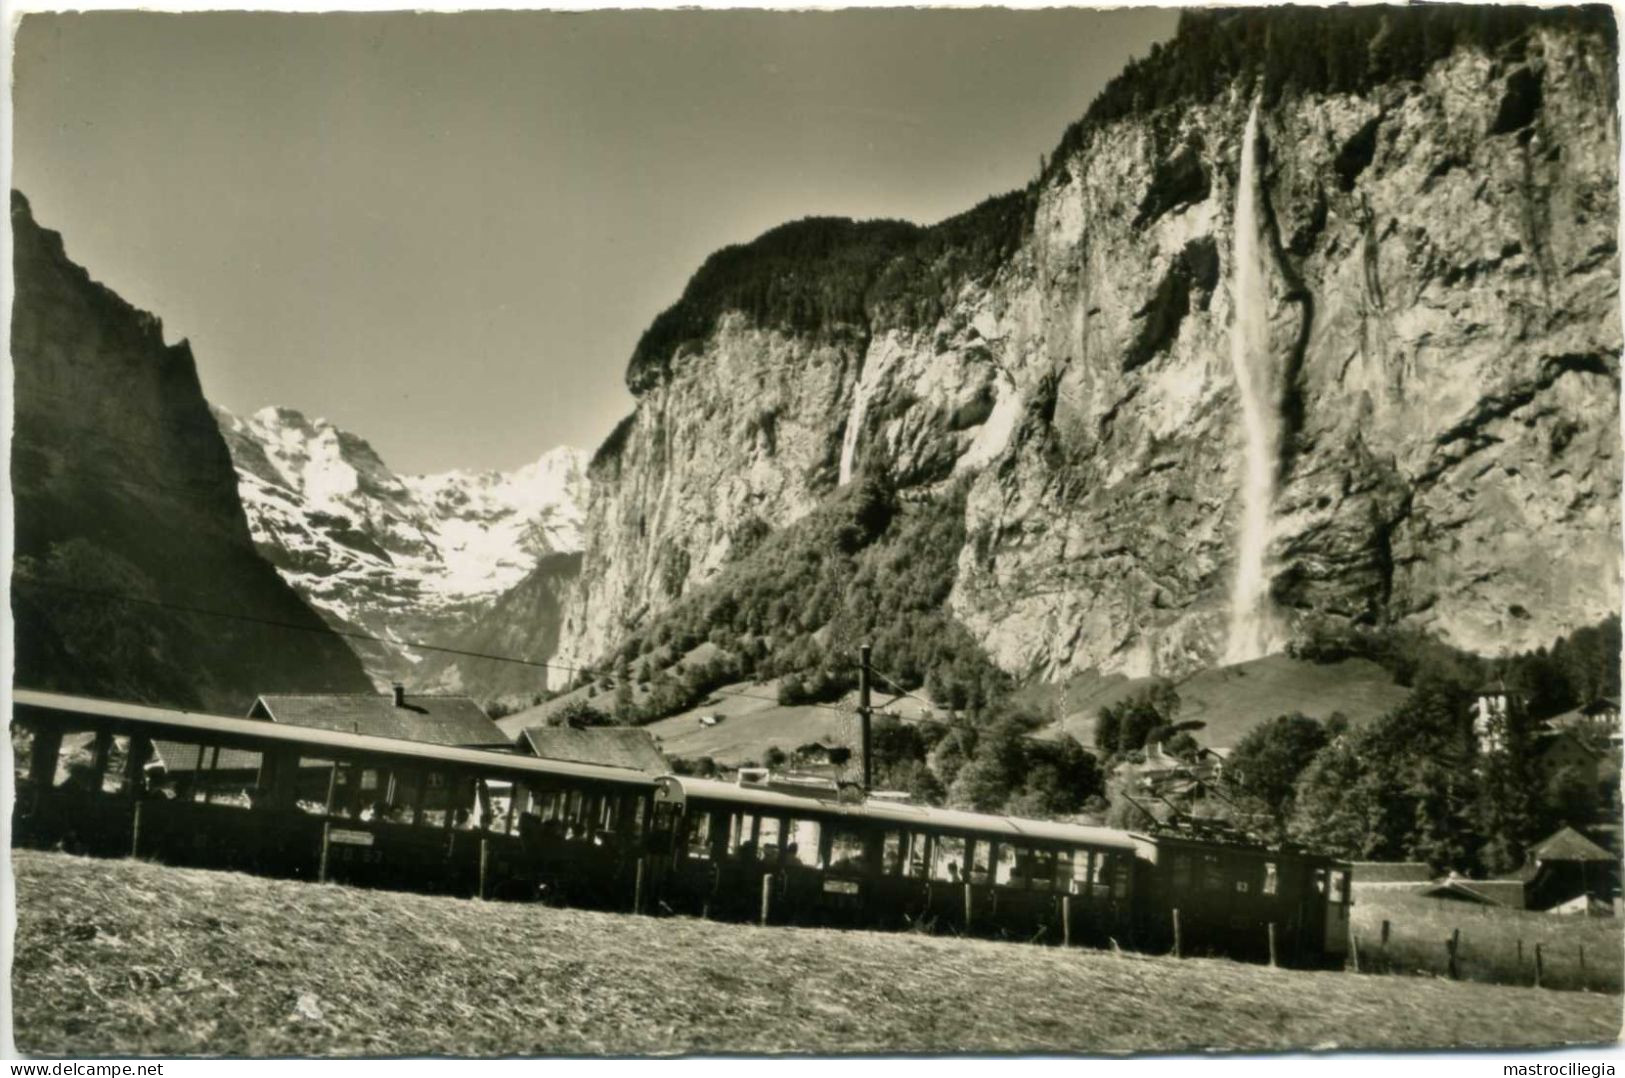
(352, 634)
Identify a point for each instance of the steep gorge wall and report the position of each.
(1443, 317)
(123, 490)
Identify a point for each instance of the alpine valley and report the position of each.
(1311, 320)
(404, 558)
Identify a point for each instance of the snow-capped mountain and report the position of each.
(404, 557)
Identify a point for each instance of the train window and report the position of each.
(801, 842)
(1339, 891)
(847, 852)
(767, 839)
(740, 827)
(1122, 867)
(1068, 862)
(113, 775)
(979, 856)
(949, 860)
(1005, 857)
(917, 860)
(1212, 872)
(1035, 869)
(891, 857)
(699, 836)
(1097, 872)
(1320, 881)
(369, 778)
(1179, 871)
(1272, 880)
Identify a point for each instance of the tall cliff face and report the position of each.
(1440, 316)
(400, 557)
(123, 487)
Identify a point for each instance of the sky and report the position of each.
(446, 233)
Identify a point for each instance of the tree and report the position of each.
(995, 768)
(1125, 725)
(1266, 762)
(579, 713)
(774, 757)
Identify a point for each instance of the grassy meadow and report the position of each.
(132, 958)
(1577, 953)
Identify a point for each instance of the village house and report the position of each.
(453, 721)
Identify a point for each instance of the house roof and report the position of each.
(1391, 872)
(433, 720)
(607, 746)
(179, 757)
(1489, 892)
(1569, 845)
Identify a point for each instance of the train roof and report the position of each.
(904, 814)
(173, 724)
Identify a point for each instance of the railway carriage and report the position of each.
(321, 804)
(373, 811)
(834, 858)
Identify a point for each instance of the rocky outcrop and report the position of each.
(1443, 327)
(522, 628)
(400, 557)
(127, 518)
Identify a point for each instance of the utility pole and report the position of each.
(864, 711)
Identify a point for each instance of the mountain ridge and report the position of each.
(401, 557)
(1440, 299)
(126, 514)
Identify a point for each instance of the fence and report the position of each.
(1410, 934)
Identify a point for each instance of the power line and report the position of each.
(352, 634)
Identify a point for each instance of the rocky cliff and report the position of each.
(1436, 225)
(126, 512)
(404, 557)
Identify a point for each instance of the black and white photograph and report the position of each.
(917, 532)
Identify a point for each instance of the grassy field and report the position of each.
(129, 958)
(1577, 953)
(1231, 700)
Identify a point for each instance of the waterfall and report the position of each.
(869, 380)
(849, 440)
(1250, 619)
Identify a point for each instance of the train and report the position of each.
(112, 778)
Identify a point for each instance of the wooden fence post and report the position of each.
(970, 905)
(321, 866)
(135, 832)
(1451, 947)
(1540, 967)
(1274, 958)
(637, 886)
(767, 896)
(485, 864)
(1066, 920)
(1354, 950)
(1179, 936)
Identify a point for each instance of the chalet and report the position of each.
(1569, 866)
(1492, 709)
(628, 747)
(454, 721)
(1506, 893)
(1596, 723)
(819, 755)
(1566, 872)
